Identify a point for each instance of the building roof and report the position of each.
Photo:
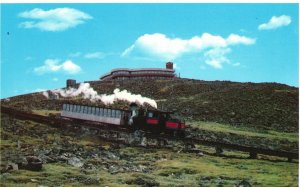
(136, 70)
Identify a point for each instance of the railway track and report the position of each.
(124, 135)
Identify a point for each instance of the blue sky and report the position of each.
(42, 45)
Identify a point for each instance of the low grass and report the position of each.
(189, 170)
(183, 169)
(57, 174)
(171, 169)
(244, 131)
(165, 167)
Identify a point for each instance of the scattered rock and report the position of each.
(10, 167)
(46, 159)
(90, 181)
(114, 169)
(74, 161)
(192, 150)
(244, 183)
(89, 166)
(32, 163)
(62, 158)
(112, 156)
(33, 180)
(84, 180)
(147, 182)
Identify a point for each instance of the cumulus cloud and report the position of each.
(98, 55)
(216, 57)
(160, 46)
(52, 65)
(58, 19)
(276, 22)
(234, 39)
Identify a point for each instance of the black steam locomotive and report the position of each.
(136, 118)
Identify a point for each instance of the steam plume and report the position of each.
(88, 92)
(46, 94)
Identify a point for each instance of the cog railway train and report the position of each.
(136, 118)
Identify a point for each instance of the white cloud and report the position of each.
(276, 22)
(235, 39)
(214, 63)
(70, 67)
(52, 65)
(127, 51)
(216, 57)
(58, 19)
(157, 45)
(175, 66)
(164, 48)
(55, 79)
(98, 55)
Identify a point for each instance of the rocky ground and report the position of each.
(34, 154)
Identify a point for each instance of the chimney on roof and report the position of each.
(169, 65)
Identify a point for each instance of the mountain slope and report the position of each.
(259, 105)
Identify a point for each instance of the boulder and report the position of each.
(76, 162)
(141, 181)
(10, 167)
(33, 163)
(244, 183)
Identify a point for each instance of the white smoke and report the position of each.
(84, 89)
(46, 94)
(88, 92)
(124, 95)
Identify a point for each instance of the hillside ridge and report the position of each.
(270, 106)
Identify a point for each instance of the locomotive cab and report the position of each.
(174, 124)
(155, 120)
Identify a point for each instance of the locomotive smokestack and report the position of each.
(133, 106)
